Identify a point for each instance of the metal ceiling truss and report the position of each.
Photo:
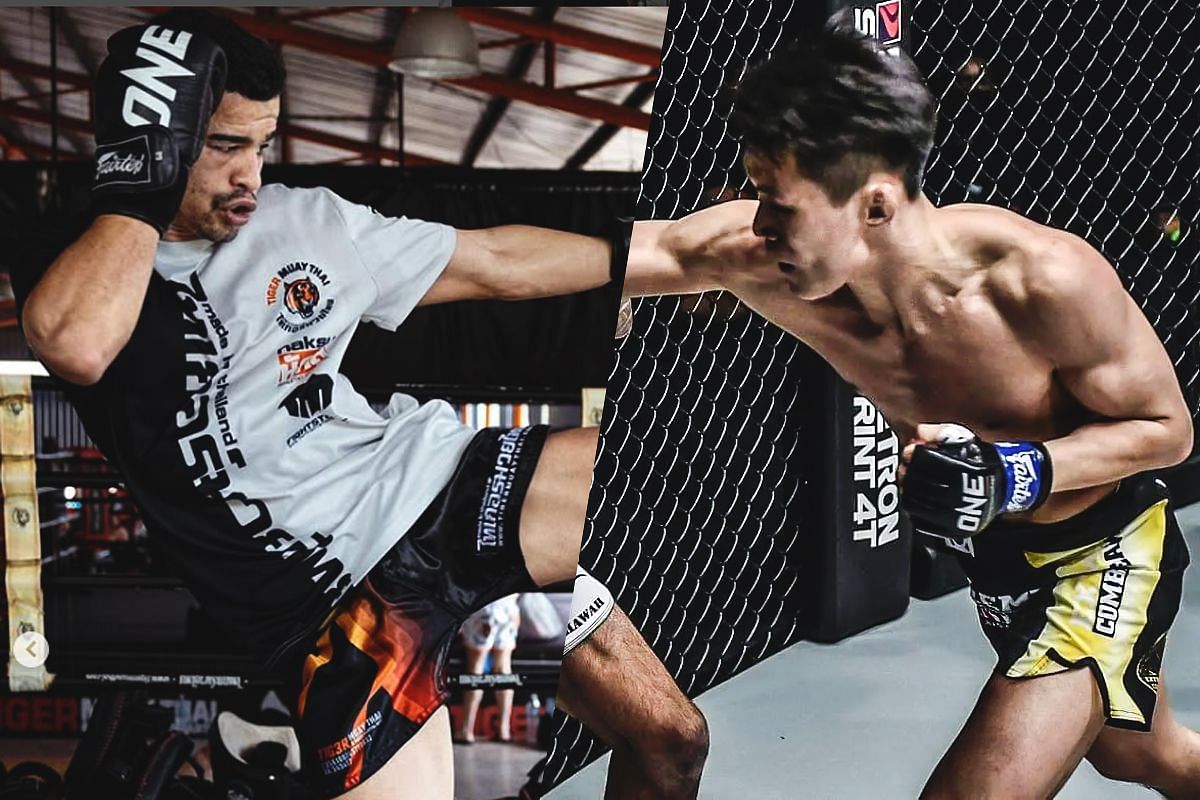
(518, 67)
(281, 29)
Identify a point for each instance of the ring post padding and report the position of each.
(22, 528)
(865, 545)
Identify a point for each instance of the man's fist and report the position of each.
(957, 484)
(154, 95)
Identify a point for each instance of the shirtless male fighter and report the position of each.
(1060, 395)
(342, 545)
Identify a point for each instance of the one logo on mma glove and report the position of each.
(163, 57)
(974, 498)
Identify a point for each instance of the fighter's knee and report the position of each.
(676, 748)
(1132, 764)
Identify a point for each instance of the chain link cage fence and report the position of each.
(696, 519)
(1079, 116)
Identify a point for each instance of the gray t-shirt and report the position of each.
(297, 487)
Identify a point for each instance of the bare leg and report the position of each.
(1023, 739)
(473, 697)
(423, 769)
(555, 505)
(502, 665)
(1167, 758)
(615, 684)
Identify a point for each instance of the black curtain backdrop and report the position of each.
(552, 346)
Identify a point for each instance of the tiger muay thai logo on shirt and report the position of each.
(296, 292)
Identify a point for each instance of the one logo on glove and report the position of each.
(148, 92)
(296, 291)
(974, 495)
(123, 163)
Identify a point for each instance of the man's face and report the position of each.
(818, 245)
(223, 182)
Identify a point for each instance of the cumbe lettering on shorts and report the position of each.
(489, 532)
(1112, 589)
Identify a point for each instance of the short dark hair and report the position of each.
(255, 72)
(840, 106)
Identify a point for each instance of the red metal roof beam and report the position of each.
(559, 99)
(19, 67)
(68, 123)
(567, 35)
(377, 56)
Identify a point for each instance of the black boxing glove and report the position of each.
(956, 486)
(154, 95)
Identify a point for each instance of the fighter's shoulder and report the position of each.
(1038, 269)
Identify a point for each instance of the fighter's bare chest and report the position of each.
(967, 366)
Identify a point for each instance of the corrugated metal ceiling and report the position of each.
(340, 96)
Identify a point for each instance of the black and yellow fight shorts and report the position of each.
(377, 669)
(1099, 590)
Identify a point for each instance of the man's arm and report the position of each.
(1109, 358)
(1069, 307)
(83, 310)
(519, 262)
(699, 252)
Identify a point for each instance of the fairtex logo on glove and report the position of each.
(126, 163)
(1023, 469)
